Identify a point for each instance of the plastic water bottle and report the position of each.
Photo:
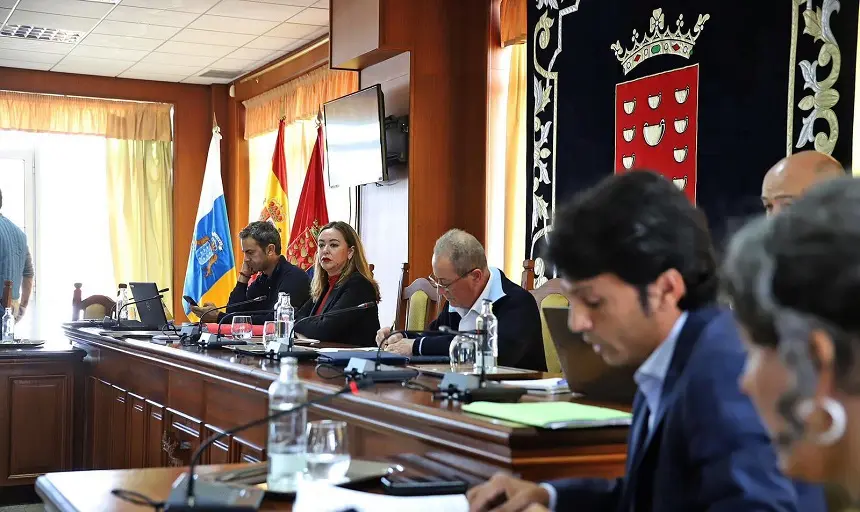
(287, 449)
(285, 313)
(121, 300)
(8, 326)
(489, 355)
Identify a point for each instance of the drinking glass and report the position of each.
(270, 331)
(327, 450)
(463, 353)
(241, 327)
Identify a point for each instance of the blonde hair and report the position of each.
(358, 262)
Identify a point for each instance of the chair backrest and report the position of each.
(549, 295)
(527, 280)
(418, 304)
(93, 307)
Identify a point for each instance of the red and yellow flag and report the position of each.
(276, 206)
(311, 213)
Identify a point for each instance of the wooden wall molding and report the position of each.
(281, 71)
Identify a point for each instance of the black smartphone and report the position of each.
(189, 300)
(401, 485)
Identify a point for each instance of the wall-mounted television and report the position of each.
(355, 138)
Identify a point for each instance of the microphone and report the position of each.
(194, 333)
(207, 341)
(358, 368)
(182, 497)
(468, 388)
(302, 353)
(109, 322)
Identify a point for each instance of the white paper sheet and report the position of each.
(324, 497)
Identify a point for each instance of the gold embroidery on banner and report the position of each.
(824, 96)
(659, 41)
(792, 60)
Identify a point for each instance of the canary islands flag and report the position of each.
(211, 273)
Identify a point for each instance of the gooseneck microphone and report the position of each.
(132, 302)
(364, 305)
(182, 498)
(359, 368)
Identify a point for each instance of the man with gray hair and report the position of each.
(463, 278)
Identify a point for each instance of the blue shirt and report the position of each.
(15, 261)
(651, 375)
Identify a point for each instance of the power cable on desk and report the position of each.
(137, 498)
(338, 373)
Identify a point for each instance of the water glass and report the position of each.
(463, 353)
(327, 451)
(271, 331)
(241, 328)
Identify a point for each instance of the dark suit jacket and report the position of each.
(707, 450)
(520, 334)
(353, 328)
(286, 278)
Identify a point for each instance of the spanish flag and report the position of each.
(276, 207)
(311, 213)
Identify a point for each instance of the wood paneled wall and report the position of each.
(193, 105)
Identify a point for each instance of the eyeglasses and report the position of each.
(435, 281)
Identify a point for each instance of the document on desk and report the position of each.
(324, 497)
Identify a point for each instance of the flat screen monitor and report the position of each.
(355, 138)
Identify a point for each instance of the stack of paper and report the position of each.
(323, 497)
(540, 386)
(551, 415)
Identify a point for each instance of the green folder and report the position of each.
(552, 415)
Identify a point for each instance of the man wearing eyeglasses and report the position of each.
(463, 278)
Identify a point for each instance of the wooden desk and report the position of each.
(91, 490)
(150, 405)
(39, 394)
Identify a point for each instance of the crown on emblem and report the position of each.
(659, 41)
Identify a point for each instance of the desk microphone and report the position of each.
(359, 368)
(469, 388)
(194, 334)
(217, 496)
(110, 322)
(300, 353)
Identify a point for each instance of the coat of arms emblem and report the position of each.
(206, 251)
(656, 117)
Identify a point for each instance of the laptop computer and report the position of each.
(584, 370)
(151, 312)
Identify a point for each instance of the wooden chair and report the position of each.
(93, 307)
(549, 295)
(417, 304)
(527, 281)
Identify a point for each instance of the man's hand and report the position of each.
(205, 312)
(401, 346)
(22, 308)
(244, 273)
(504, 493)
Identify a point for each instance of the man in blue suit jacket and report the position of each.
(639, 270)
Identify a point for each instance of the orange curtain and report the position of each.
(514, 22)
(297, 99)
(85, 116)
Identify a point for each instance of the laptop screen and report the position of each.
(151, 312)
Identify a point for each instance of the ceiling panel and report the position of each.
(312, 16)
(24, 64)
(89, 66)
(166, 40)
(126, 42)
(101, 52)
(292, 31)
(269, 43)
(151, 16)
(178, 59)
(25, 56)
(58, 21)
(233, 25)
(121, 28)
(195, 6)
(254, 10)
(66, 7)
(190, 35)
(207, 50)
(250, 54)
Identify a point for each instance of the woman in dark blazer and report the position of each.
(341, 280)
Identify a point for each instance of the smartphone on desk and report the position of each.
(402, 485)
